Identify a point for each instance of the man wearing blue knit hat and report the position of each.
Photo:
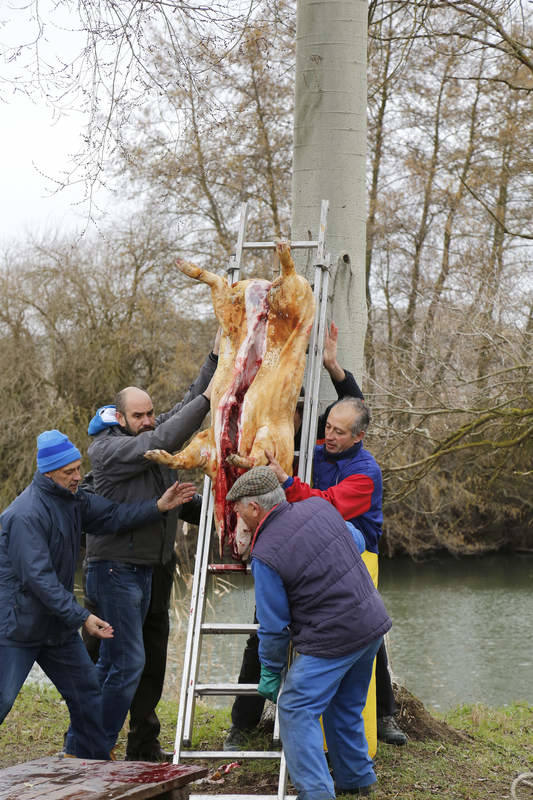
(39, 546)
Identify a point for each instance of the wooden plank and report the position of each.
(58, 778)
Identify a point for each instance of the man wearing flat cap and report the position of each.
(312, 588)
(39, 546)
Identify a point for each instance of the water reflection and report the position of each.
(462, 630)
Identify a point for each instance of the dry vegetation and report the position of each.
(449, 286)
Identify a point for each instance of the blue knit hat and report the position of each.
(54, 450)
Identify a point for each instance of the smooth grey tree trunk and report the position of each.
(330, 158)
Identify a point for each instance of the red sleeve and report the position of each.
(351, 497)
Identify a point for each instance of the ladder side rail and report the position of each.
(195, 656)
(312, 382)
(240, 237)
(321, 247)
(283, 774)
(193, 610)
(306, 416)
(315, 388)
(283, 777)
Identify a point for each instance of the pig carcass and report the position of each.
(265, 329)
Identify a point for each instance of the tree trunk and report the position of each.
(329, 158)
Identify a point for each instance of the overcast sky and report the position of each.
(36, 142)
(34, 152)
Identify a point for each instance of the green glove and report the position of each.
(269, 684)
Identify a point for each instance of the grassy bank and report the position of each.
(470, 753)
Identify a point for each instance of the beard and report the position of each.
(129, 429)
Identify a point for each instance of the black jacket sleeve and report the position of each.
(346, 388)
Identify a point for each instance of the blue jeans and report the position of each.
(121, 595)
(73, 674)
(335, 688)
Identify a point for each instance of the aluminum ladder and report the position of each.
(197, 628)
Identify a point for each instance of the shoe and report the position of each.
(155, 754)
(235, 740)
(389, 732)
(360, 791)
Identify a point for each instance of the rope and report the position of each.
(526, 779)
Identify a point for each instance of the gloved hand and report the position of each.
(269, 684)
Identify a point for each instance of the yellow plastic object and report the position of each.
(369, 711)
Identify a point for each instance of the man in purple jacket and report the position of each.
(312, 588)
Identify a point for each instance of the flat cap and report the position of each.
(255, 482)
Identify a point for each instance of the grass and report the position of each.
(495, 746)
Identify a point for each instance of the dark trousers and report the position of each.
(247, 709)
(74, 676)
(385, 702)
(144, 722)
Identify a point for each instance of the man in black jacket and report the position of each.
(131, 575)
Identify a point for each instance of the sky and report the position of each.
(36, 141)
(34, 151)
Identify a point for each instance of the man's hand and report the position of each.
(276, 467)
(269, 684)
(208, 389)
(176, 495)
(97, 627)
(330, 353)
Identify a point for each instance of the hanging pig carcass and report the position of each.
(265, 329)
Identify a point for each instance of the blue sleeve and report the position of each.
(357, 536)
(100, 515)
(273, 615)
(29, 553)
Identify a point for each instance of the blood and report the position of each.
(156, 773)
(247, 363)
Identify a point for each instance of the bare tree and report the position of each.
(98, 56)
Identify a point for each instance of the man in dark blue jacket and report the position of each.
(312, 588)
(39, 547)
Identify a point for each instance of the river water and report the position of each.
(462, 629)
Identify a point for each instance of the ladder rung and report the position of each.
(229, 568)
(228, 627)
(234, 755)
(271, 245)
(225, 688)
(240, 796)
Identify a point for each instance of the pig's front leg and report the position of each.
(162, 457)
